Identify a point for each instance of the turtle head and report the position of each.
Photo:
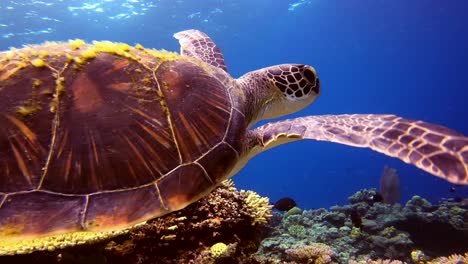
(279, 90)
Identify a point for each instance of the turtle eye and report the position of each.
(309, 74)
(296, 81)
(310, 82)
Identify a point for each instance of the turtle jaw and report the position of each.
(278, 90)
(284, 106)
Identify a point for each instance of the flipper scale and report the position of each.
(433, 148)
(196, 44)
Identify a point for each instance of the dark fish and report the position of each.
(452, 189)
(356, 219)
(377, 198)
(284, 204)
(390, 186)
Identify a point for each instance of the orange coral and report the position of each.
(452, 259)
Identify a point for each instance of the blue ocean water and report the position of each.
(408, 58)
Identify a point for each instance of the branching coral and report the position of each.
(452, 259)
(258, 207)
(316, 253)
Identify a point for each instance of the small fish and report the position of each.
(284, 204)
(452, 189)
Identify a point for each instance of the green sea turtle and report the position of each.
(96, 138)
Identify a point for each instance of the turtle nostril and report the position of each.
(309, 74)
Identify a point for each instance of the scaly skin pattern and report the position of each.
(96, 138)
(197, 44)
(278, 90)
(433, 148)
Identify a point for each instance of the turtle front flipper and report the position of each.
(196, 44)
(433, 148)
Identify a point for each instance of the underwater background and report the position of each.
(409, 58)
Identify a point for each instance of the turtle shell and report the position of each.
(103, 136)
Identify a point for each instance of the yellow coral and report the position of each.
(355, 232)
(417, 256)
(260, 205)
(8, 55)
(37, 83)
(27, 110)
(78, 60)
(389, 231)
(116, 48)
(24, 246)
(164, 54)
(89, 54)
(228, 184)
(217, 250)
(69, 58)
(77, 43)
(38, 63)
(43, 54)
(60, 87)
(139, 46)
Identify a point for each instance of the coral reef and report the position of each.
(388, 233)
(227, 222)
(230, 226)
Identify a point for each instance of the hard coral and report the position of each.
(389, 232)
(316, 253)
(257, 206)
(293, 211)
(452, 259)
(297, 231)
(418, 257)
(217, 250)
(377, 261)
